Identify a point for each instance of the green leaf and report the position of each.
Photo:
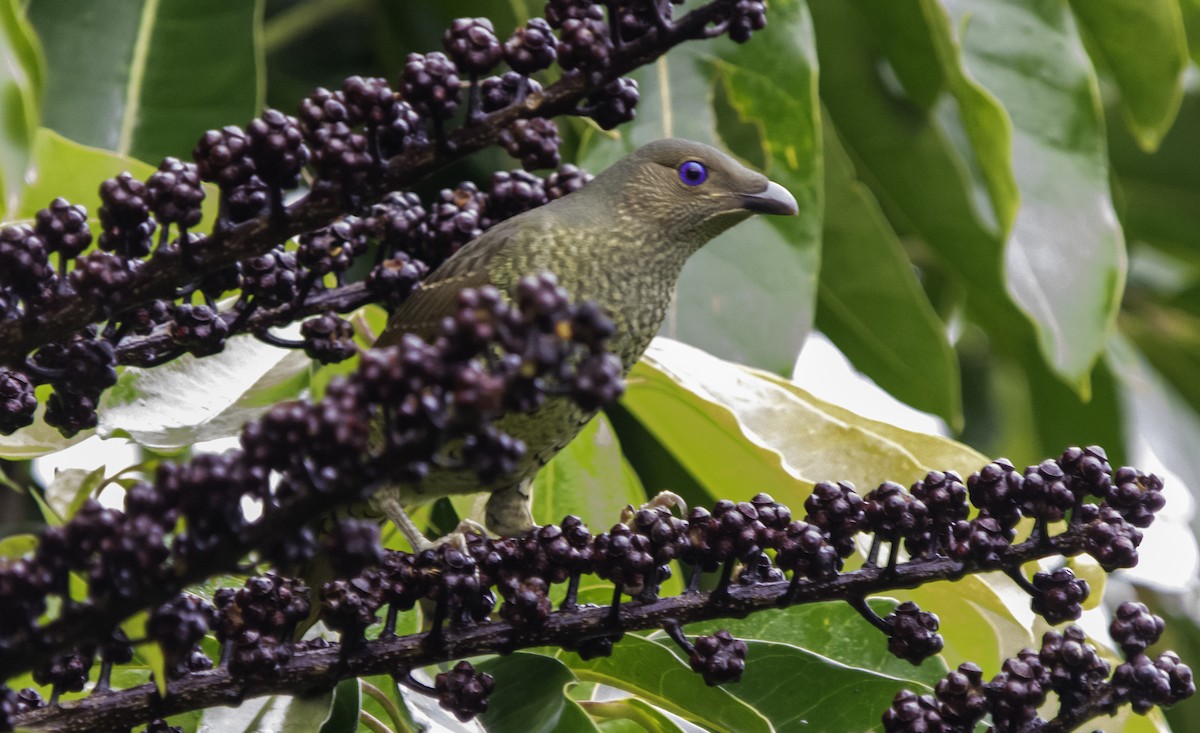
(343, 712)
(1191, 22)
(71, 487)
(702, 435)
(832, 630)
(589, 478)
(382, 698)
(1156, 414)
(984, 618)
(891, 141)
(934, 451)
(916, 37)
(650, 671)
(38, 439)
(65, 168)
(146, 78)
(1156, 193)
(529, 696)
(771, 262)
(1065, 258)
(879, 316)
(1143, 45)
(149, 651)
(17, 545)
(630, 715)
(272, 713)
(738, 427)
(800, 691)
(189, 400)
(21, 81)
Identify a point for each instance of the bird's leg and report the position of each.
(387, 503)
(509, 511)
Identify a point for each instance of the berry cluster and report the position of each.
(472, 581)
(301, 457)
(340, 141)
(1067, 665)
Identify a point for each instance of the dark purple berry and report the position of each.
(276, 145)
(913, 636)
(17, 401)
(472, 43)
(565, 180)
(463, 691)
(719, 658)
(615, 104)
(63, 227)
(513, 193)
(533, 141)
(1134, 628)
(497, 92)
(1059, 596)
(199, 329)
(531, 48)
(223, 157)
(431, 85)
(175, 193)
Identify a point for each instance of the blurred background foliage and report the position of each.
(1000, 227)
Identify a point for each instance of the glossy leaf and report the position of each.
(343, 711)
(589, 478)
(908, 156)
(800, 691)
(984, 618)
(65, 168)
(832, 630)
(1155, 192)
(775, 255)
(650, 671)
(38, 439)
(1143, 45)
(917, 39)
(630, 715)
(702, 436)
(746, 428)
(148, 78)
(21, 81)
(70, 487)
(1065, 258)
(14, 546)
(188, 400)
(529, 696)
(879, 316)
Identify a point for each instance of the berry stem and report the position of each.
(1018, 577)
(860, 604)
(675, 631)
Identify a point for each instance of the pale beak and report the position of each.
(775, 199)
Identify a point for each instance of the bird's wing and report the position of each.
(436, 297)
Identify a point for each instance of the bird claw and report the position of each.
(661, 500)
(456, 538)
(394, 511)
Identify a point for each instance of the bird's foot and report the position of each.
(662, 500)
(392, 509)
(456, 538)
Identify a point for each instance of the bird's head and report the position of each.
(693, 189)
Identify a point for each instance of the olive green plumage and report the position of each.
(620, 241)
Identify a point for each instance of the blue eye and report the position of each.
(693, 173)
